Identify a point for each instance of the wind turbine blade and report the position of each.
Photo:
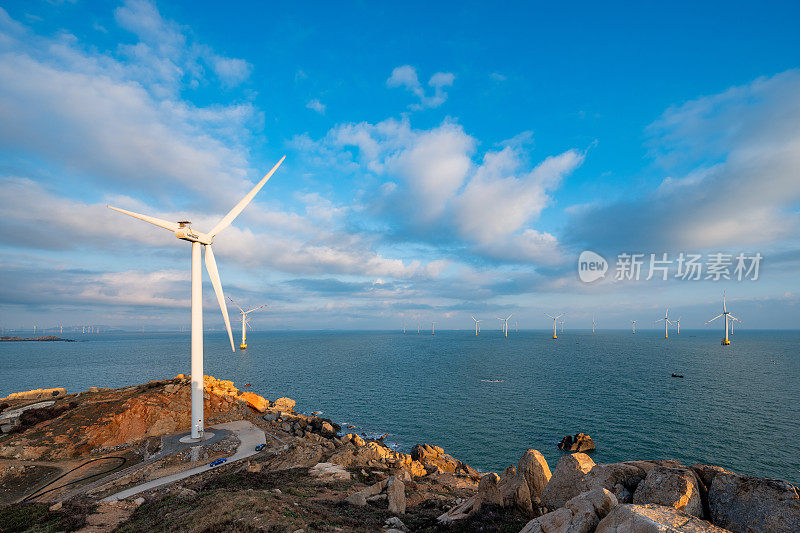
(172, 226)
(509, 316)
(473, 318)
(723, 302)
(562, 314)
(713, 319)
(234, 303)
(233, 213)
(213, 273)
(550, 316)
(254, 309)
(734, 318)
(659, 320)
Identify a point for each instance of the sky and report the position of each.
(442, 160)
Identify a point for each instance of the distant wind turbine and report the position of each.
(433, 328)
(245, 322)
(555, 318)
(562, 326)
(667, 323)
(184, 231)
(633, 325)
(592, 324)
(678, 326)
(728, 316)
(476, 324)
(505, 323)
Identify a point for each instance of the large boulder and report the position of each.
(255, 401)
(534, 468)
(285, 405)
(577, 473)
(488, 491)
(567, 480)
(435, 460)
(581, 442)
(581, 514)
(671, 487)
(396, 492)
(514, 491)
(627, 518)
(749, 504)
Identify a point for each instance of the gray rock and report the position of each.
(628, 518)
(395, 523)
(745, 504)
(357, 498)
(396, 491)
(671, 487)
(534, 468)
(579, 515)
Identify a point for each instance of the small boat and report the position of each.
(316, 413)
(674, 375)
(248, 384)
(492, 380)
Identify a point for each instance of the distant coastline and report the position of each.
(49, 338)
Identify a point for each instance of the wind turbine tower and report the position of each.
(245, 322)
(433, 328)
(476, 324)
(505, 323)
(727, 316)
(667, 323)
(555, 319)
(183, 231)
(633, 325)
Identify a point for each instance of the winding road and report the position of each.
(249, 437)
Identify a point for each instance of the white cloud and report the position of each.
(317, 106)
(406, 76)
(437, 191)
(733, 159)
(94, 115)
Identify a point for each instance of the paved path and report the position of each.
(248, 434)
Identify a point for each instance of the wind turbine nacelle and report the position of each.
(188, 234)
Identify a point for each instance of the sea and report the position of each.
(486, 399)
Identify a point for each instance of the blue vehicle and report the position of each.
(260, 447)
(218, 462)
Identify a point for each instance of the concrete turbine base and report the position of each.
(187, 439)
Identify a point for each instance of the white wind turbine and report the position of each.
(593, 324)
(433, 328)
(555, 319)
(183, 231)
(505, 323)
(245, 322)
(476, 324)
(678, 326)
(667, 323)
(725, 313)
(633, 325)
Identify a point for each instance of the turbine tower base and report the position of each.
(243, 346)
(725, 342)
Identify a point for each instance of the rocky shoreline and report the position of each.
(312, 476)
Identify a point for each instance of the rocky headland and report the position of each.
(61, 454)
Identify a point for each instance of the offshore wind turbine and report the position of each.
(592, 325)
(678, 326)
(562, 326)
(667, 323)
(555, 318)
(505, 323)
(245, 322)
(184, 232)
(476, 324)
(433, 328)
(633, 325)
(728, 316)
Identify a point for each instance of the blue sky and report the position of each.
(442, 159)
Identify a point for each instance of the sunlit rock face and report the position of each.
(105, 418)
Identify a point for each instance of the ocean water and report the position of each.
(738, 406)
